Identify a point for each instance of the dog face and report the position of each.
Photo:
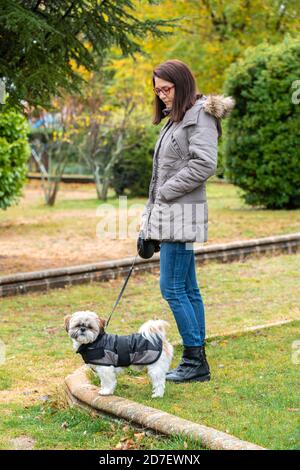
(84, 326)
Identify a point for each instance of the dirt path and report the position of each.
(34, 239)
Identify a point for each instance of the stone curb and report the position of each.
(79, 389)
(244, 331)
(37, 281)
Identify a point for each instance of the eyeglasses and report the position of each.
(164, 89)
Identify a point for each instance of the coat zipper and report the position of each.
(168, 125)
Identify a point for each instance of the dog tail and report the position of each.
(153, 328)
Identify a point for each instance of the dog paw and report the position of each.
(104, 392)
(157, 395)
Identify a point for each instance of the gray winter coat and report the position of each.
(121, 351)
(185, 156)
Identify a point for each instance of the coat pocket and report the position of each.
(176, 147)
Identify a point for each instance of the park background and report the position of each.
(76, 132)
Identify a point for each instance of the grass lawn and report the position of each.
(253, 394)
(48, 427)
(34, 237)
(235, 295)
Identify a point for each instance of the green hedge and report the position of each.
(262, 144)
(14, 153)
(132, 174)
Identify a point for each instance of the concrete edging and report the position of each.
(37, 281)
(244, 331)
(81, 391)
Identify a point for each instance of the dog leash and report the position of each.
(122, 290)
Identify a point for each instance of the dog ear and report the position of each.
(102, 323)
(67, 322)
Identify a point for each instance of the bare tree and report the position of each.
(51, 150)
(102, 142)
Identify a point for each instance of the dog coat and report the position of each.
(121, 351)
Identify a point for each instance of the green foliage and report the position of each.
(221, 168)
(46, 45)
(133, 171)
(14, 153)
(262, 149)
(210, 36)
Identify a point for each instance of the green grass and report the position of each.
(235, 295)
(72, 428)
(253, 393)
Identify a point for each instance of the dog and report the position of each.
(109, 354)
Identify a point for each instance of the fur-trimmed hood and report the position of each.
(219, 106)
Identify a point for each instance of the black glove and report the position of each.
(147, 248)
(156, 245)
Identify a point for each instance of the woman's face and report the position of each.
(167, 98)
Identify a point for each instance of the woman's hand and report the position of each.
(160, 197)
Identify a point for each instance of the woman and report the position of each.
(176, 214)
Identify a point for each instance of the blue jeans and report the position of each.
(178, 285)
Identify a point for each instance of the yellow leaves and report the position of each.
(87, 120)
(107, 108)
(57, 135)
(81, 70)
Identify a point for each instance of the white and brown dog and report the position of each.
(108, 354)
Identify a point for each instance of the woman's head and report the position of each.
(176, 88)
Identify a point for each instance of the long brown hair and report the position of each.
(186, 92)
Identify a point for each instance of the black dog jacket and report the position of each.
(121, 351)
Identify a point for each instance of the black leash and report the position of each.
(122, 290)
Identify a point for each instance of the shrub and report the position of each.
(14, 153)
(262, 145)
(133, 172)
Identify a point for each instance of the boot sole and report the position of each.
(203, 378)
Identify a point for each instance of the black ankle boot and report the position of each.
(187, 351)
(193, 366)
